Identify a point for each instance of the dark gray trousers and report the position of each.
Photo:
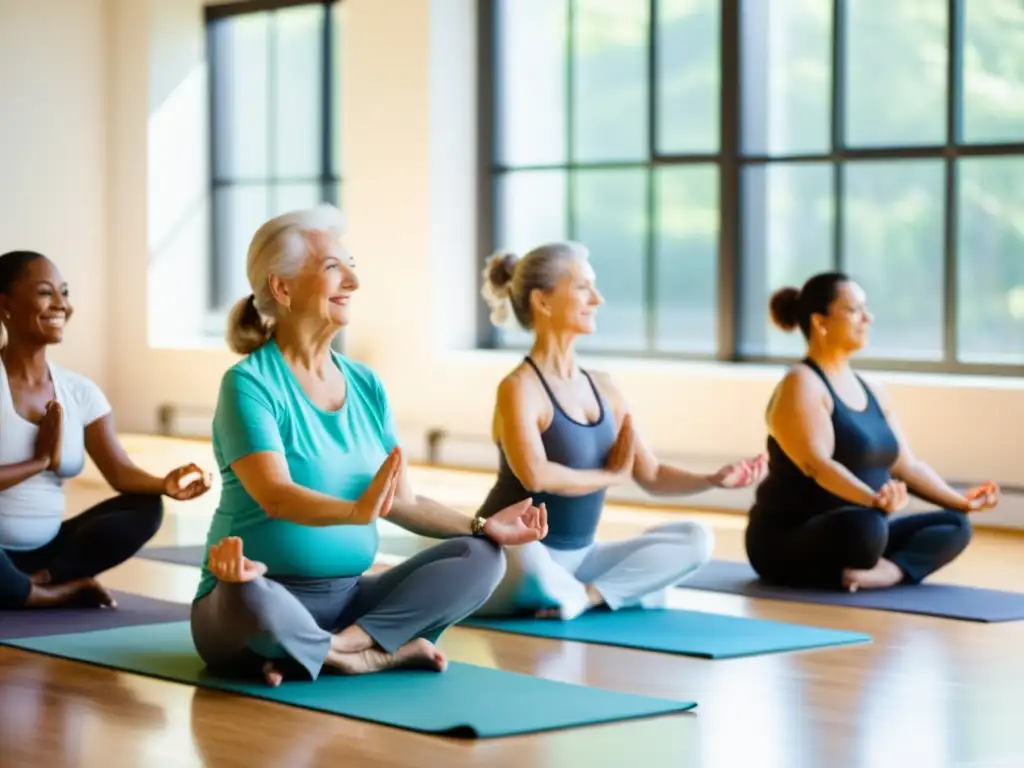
(237, 627)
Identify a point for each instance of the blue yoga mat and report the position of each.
(945, 600)
(466, 700)
(688, 633)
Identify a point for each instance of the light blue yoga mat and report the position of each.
(465, 700)
(689, 633)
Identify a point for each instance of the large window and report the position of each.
(710, 151)
(275, 128)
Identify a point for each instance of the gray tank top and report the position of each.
(572, 520)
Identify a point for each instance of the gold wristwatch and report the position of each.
(477, 524)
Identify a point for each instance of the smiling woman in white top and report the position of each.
(50, 418)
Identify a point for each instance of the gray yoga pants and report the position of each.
(237, 627)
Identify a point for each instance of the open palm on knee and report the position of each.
(228, 564)
(741, 474)
(982, 497)
(518, 524)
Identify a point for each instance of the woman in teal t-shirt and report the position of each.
(306, 447)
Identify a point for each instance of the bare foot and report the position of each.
(352, 639)
(40, 577)
(416, 654)
(272, 677)
(885, 574)
(81, 593)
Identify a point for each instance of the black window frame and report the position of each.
(731, 161)
(329, 179)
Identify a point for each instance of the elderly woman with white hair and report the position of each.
(306, 446)
(565, 435)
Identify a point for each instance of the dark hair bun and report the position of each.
(783, 308)
(500, 269)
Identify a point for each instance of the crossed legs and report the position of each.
(63, 571)
(354, 626)
(629, 573)
(859, 548)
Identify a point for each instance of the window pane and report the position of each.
(893, 228)
(530, 209)
(787, 77)
(686, 258)
(788, 217)
(689, 75)
(291, 197)
(610, 50)
(993, 71)
(530, 73)
(610, 208)
(896, 62)
(240, 210)
(241, 114)
(337, 73)
(297, 91)
(990, 264)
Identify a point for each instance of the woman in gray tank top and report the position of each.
(565, 436)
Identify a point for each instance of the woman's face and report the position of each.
(38, 307)
(848, 323)
(324, 286)
(571, 306)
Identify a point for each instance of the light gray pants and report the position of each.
(634, 572)
(237, 627)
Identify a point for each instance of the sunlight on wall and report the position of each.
(179, 239)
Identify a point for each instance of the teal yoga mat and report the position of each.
(688, 633)
(466, 700)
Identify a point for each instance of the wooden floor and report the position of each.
(927, 693)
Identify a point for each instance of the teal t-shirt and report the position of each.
(261, 407)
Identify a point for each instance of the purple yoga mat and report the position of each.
(132, 610)
(945, 600)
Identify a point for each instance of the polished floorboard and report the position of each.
(927, 693)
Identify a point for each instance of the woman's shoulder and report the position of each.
(520, 385)
(802, 375)
(85, 393)
(249, 376)
(799, 386)
(75, 382)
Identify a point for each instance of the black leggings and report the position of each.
(816, 553)
(95, 541)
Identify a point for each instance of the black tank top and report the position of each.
(864, 444)
(572, 520)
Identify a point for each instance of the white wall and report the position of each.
(53, 120)
(410, 122)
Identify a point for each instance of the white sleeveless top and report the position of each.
(31, 511)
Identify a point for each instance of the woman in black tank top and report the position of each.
(564, 436)
(839, 466)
